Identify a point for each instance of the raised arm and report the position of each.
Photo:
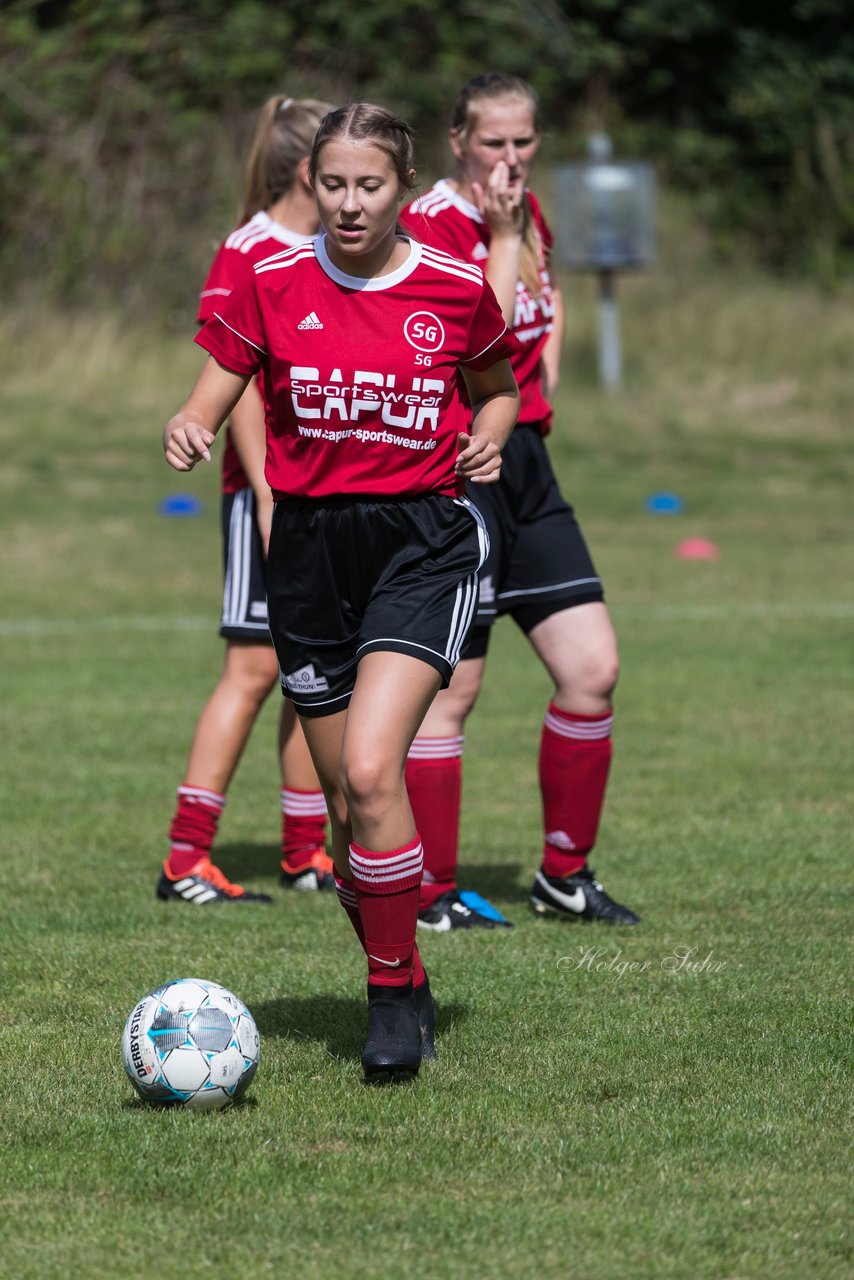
(189, 435)
(494, 399)
(499, 203)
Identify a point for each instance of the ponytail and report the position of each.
(283, 137)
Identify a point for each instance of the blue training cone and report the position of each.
(665, 504)
(181, 504)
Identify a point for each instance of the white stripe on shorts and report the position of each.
(238, 577)
(464, 607)
(482, 535)
(553, 586)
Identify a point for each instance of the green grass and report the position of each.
(584, 1119)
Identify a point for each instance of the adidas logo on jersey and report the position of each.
(311, 322)
(480, 251)
(306, 681)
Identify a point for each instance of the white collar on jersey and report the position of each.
(453, 197)
(269, 227)
(374, 283)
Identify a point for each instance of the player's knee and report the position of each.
(253, 675)
(463, 690)
(258, 685)
(455, 705)
(605, 674)
(590, 680)
(368, 784)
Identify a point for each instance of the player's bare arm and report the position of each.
(248, 435)
(495, 406)
(189, 435)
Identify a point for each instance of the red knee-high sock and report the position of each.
(386, 886)
(303, 826)
(348, 900)
(193, 828)
(434, 773)
(575, 756)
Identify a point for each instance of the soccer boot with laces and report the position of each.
(393, 1050)
(309, 872)
(455, 910)
(425, 1007)
(203, 885)
(578, 897)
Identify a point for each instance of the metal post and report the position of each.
(610, 353)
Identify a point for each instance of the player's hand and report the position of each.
(479, 459)
(500, 201)
(185, 443)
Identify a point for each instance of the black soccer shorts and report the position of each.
(350, 576)
(538, 562)
(244, 597)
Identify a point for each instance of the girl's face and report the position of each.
(358, 198)
(499, 129)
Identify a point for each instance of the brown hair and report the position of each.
(364, 122)
(492, 86)
(283, 136)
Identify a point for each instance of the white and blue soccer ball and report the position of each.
(191, 1043)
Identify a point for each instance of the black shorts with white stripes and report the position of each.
(244, 598)
(538, 561)
(348, 577)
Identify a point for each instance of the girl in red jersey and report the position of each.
(539, 569)
(374, 554)
(279, 211)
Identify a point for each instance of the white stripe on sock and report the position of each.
(436, 748)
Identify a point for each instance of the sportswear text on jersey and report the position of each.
(361, 376)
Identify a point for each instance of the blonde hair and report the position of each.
(364, 122)
(283, 136)
(492, 86)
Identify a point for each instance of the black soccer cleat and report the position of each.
(393, 1050)
(455, 910)
(203, 885)
(310, 873)
(578, 897)
(425, 1007)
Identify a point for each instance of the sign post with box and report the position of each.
(604, 224)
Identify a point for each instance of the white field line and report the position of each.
(27, 628)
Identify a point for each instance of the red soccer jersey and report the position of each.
(361, 375)
(235, 258)
(442, 218)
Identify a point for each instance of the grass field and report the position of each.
(585, 1119)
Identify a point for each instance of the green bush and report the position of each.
(123, 121)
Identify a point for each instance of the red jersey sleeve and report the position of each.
(229, 269)
(489, 339)
(234, 335)
(440, 233)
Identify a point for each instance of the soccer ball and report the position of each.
(190, 1043)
